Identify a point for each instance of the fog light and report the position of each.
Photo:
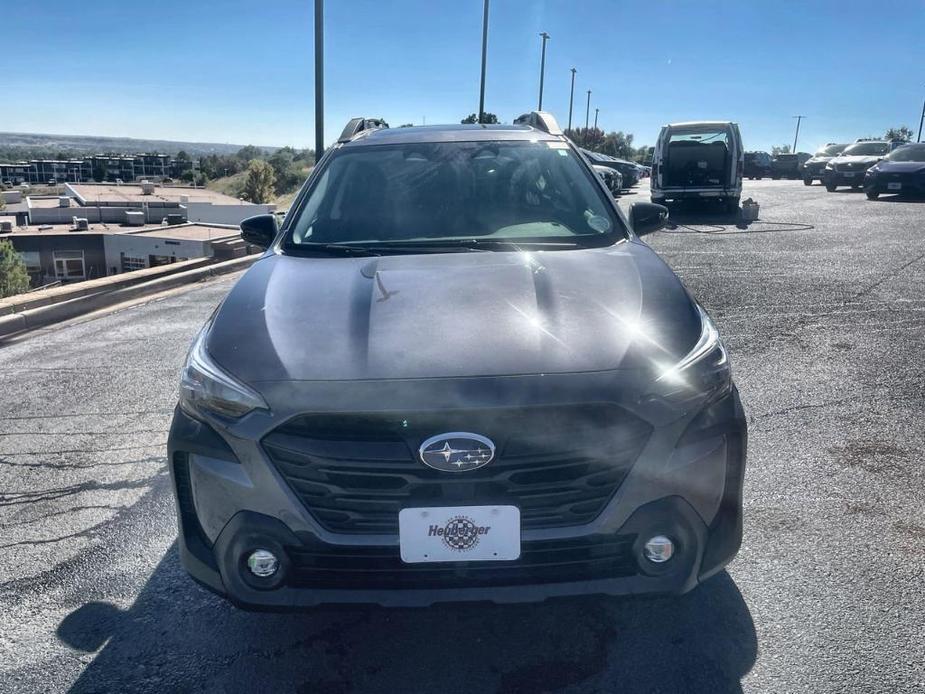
(658, 549)
(262, 563)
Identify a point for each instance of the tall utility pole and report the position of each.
(922, 119)
(545, 38)
(484, 55)
(319, 79)
(595, 116)
(571, 99)
(797, 134)
(588, 110)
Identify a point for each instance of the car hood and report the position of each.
(453, 315)
(857, 159)
(901, 166)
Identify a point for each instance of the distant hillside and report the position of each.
(89, 144)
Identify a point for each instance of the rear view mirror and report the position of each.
(646, 217)
(259, 230)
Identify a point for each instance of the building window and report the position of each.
(32, 261)
(129, 263)
(69, 265)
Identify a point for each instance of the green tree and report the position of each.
(587, 138)
(489, 118)
(249, 152)
(406, 125)
(901, 133)
(259, 185)
(13, 276)
(780, 149)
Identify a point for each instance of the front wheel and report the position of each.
(872, 195)
(807, 180)
(830, 187)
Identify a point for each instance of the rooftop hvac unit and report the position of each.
(6, 226)
(81, 224)
(135, 218)
(64, 201)
(147, 188)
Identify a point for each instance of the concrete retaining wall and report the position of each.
(30, 317)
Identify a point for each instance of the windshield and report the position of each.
(908, 153)
(830, 150)
(867, 149)
(440, 192)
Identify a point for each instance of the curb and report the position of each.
(33, 318)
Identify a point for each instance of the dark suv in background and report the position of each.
(814, 168)
(757, 165)
(456, 374)
(789, 165)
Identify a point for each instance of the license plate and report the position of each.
(848, 174)
(459, 533)
(894, 186)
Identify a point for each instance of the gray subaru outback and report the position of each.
(456, 373)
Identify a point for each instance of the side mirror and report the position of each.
(259, 230)
(646, 217)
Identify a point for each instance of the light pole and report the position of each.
(797, 134)
(484, 56)
(319, 79)
(595, 117)
(919, 138)
(588, 110)
(545, 38)
(571, 99)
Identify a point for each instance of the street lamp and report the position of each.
(571, 99)
(588, 110)
(545, 38)
(921, 120)
(484, 55)
(797, 134)
(595, 117)
(319, 79)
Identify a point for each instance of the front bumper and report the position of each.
(895, 184)
(844, 178)
(225, 511)
(814, 171)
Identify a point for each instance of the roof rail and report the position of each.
(541, 120)
(357, 125)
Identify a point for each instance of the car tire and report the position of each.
(830, 187)
(872, 195)
(807, 181)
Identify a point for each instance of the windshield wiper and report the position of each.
(333, 249)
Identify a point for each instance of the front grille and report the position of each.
(548, 561)
(559, 465)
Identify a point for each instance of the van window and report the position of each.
(704, 137)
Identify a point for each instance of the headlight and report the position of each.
(204, 386)
(830, 166)
(704, 370)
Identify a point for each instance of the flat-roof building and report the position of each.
(71, 253)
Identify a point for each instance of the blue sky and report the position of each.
(242, 71)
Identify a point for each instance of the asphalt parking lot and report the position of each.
(823, 311)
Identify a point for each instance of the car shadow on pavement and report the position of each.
(178, 637)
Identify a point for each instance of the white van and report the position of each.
(702, 159)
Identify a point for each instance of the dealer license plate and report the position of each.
(894, 186)
(459, 533)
